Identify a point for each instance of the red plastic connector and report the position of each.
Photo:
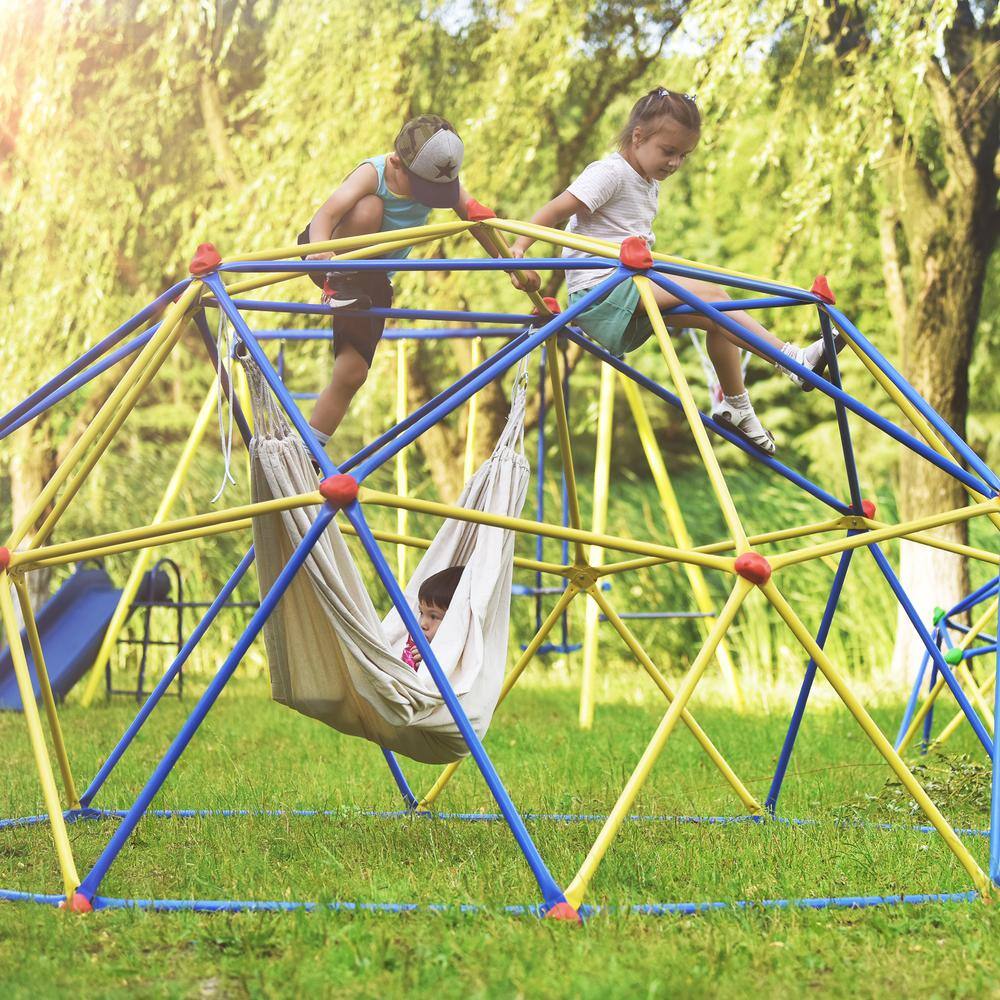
(340, 489)
(821, 289)
(754, 567)
(565, 913)
(78, 904)
(635, 253)
(206, 258)
(4, 558)
(869, 508)
(478, 212)
(551, 304)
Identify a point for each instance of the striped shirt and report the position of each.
(620, 203)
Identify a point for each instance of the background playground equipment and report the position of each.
(959, 645)
(737, 558)
(538, 590)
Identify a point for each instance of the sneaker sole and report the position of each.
(821, 366)
(729, 425)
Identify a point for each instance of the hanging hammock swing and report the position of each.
(330, 656)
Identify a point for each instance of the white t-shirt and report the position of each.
(620, 203)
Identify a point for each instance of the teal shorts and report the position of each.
(617, 322)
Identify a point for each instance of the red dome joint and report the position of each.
(551, 304)
(340, 489)
(205, 259)
(868, 508)
(77, 904)
(635, 253)
(821, 289)
(565, 913)
(478, 212)
(4, 558)
(754, 567)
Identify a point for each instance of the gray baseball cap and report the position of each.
(432, 153)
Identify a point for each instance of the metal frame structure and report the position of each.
(960, 645)
(342, 493)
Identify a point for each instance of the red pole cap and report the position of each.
(869, 508)
(635, 253)
(78, 904)
(206, 258)
(4, 558)
(754, 567)
(551, 304)
(821, 289)
(564, 912)
(477, 211)
(340, 489)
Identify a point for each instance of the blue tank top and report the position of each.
(397, 212)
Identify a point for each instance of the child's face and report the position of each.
(660, 150)
(430, 619)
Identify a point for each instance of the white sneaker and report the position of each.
(743, 421)
(812, 357)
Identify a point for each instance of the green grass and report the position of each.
(253, 754)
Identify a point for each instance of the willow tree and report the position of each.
(901, 98)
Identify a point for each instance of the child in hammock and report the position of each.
(433, 599)
(617, 197)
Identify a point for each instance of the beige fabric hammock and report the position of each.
(330, 656)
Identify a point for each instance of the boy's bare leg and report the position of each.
(349, 373)
(349, 369)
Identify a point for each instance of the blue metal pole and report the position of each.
(733, 281)
(92, 881)
(496, 366)
(420, 264)
(443, 315)
(402, 784)
(167, 679)
(307, 434)
(551, 893)
(425, 408)
(842, 423)
(80, 380)
(828, 388)
(758, 456)
(987, 590)
(213, 354)
(95, 352)
(911, 704)
(938, 659)
(995, 782)
(918, 402)
(771, 803)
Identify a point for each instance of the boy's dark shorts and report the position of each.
(361, 332)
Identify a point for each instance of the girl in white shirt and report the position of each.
(617, 197)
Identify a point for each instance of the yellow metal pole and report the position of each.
(578, 887)
(661, 682)
(509, 681)
(872, 731)
(141, 564)
(663, 552)
(883, 534)
(690, 408)
(156, 532)
(113, 405)
(672, 510)
(402, 483)
(64, 852)
(476, 358)
(599, 523)
(48, 699)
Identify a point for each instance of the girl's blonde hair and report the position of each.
(660, 103)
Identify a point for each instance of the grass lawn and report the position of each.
(254, 755)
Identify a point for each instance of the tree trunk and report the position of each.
(937, 348)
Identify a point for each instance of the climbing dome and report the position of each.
(745, 562)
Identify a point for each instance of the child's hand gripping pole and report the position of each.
(479, 213)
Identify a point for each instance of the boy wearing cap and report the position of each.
(384, 193)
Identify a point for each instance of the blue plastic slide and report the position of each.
(71, 624)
